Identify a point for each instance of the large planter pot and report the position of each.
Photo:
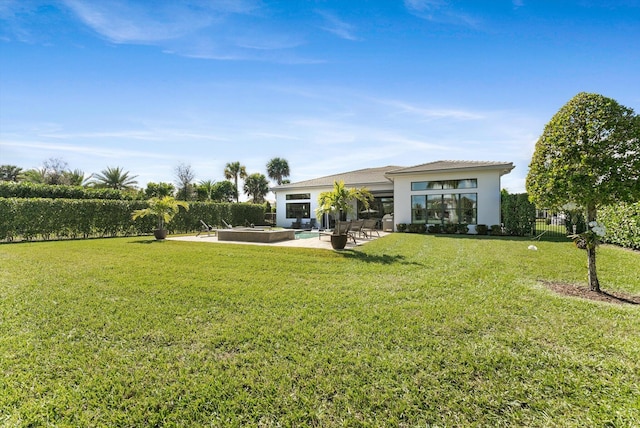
(160, 233)
(338, 242)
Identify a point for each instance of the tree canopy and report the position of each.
(115, 178)
(278, 169)
(256, 186)
(588, 154)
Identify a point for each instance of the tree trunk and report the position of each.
(594, 284)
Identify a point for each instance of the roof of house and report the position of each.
(383, 175)
(452, 165)
(361, 177)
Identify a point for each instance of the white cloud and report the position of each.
(441, 11)
(335, 25)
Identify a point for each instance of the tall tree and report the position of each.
(10, 173)
(54, 171)
(159, 190)
(35, 175)
(75, 178)
(205, 189)
(233, 170)
(588, 155)
(256, 187)
(115, 178)
(184, 177)
(223, 191)
(278, 169)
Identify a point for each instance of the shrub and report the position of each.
(32, 190)
(623, 224)
(434, 228)
(417, 228)
(450, 228)
(496, 229)
(518, 214)
(401, 227)
(37, 218)
(482, 229)
(463, 229)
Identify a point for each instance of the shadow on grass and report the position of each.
(546, 237)
(147, 241)
(383, 259)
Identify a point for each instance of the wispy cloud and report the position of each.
(221, 30)
(148, 22)
(136, 135)
(430, 113)
(441, 11)
(336, 26)
(93, 151)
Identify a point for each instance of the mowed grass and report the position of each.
(409, 330)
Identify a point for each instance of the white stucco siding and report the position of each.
(488, 193)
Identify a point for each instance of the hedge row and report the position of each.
(623, 224)
(29, 219)
(518, 214)
(31, 190)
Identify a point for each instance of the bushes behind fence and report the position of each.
(33, 218)
(623, 224)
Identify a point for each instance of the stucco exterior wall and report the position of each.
(488, 191)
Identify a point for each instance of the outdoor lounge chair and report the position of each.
(356, 228)
(369, 227)
(227, 225)
(342, 228)
(205, 228)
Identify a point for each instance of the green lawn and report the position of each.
(409, 331)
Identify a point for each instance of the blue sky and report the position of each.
(329, 85)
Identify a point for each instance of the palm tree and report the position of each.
(278, 169)
(339, 200)
(76, 178)
(257, 187)
(35, 176)
(205, 190)
(164, 209)
(115, 178)
(235, 170)
(10, 173)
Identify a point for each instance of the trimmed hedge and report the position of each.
(623, 224)
(32, 190)
(36, 218)
(518, 214)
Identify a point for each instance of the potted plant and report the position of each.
(340, 201)
(165, 209)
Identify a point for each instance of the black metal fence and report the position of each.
(557, 224)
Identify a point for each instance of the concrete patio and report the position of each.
(322, 243)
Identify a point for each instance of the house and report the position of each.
(439, 192)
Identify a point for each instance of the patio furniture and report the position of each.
(369, 227)
(205, 228)
(342, 228)
(356, 228)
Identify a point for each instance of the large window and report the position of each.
(444, 208)
(467, 183)
(298, 196)
(299, 210)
